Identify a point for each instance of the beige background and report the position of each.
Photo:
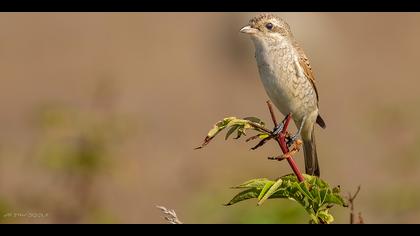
(155, 83)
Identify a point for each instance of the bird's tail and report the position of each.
(311, 158)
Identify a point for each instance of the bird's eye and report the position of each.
(269, 26)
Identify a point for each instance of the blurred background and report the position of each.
(100, 113)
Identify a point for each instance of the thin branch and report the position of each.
(351, 199)
(260, 128)
(281, 139)
(169, 215)
(361, 221)
(273, 117)
(260, 143)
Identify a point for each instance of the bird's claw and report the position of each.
(278, 129)
(292, 139)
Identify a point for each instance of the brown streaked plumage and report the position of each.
(288, 79)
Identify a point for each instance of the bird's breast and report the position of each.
(286, 86)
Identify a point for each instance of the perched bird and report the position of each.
(288, 79)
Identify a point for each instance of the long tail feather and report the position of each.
(311, 158)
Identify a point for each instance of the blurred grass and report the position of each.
(4, 209)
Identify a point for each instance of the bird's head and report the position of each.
(267, 27)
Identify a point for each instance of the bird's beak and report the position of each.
(248, 30)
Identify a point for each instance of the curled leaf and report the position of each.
(235, 124)
(231, 130)
(325, 216)
(270, 192)
(265, 189)
(254, 119)
(219, 126)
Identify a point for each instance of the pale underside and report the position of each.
(285, 82)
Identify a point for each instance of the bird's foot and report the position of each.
(292, 139)
(278, 129)
(295, 147)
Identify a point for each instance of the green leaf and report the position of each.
(231, 130)
(263, 136)
(270, 192)
(290, 178)
(262, 142)
(281, 193)
(265, 189)
(219, 126)
(314, 219)
(325, 216)
(244, 195)
(314, 194)
(304, 190)
(241, 131)
(334, 199)
(255, 120)
(255, 183)
(239, 125)
(323, 195)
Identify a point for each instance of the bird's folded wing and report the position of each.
(307, 69)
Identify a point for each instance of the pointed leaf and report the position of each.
(281, 193)
(244, 195)
(323, 195)
(219, 126)
(241, 131)
(255, 183)
(252, 138)
(304, 190)
(265, 189)
(270, 192)
(334, 199)
(231, 130)
(263, 136)
(260, 143)
(254, 119)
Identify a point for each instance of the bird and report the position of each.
(288, 79)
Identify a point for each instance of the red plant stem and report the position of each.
(283, 145)
(281, 140)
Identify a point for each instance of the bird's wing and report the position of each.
(307, 69)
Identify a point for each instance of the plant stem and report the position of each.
(281, 140)
(351, 203)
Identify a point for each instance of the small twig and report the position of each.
(281, 139)
(169, 215)
(252, 138)
(277, 158)
(361, 221)
(273, 117)
(260, 143)
(351, 204)
(260, 128)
